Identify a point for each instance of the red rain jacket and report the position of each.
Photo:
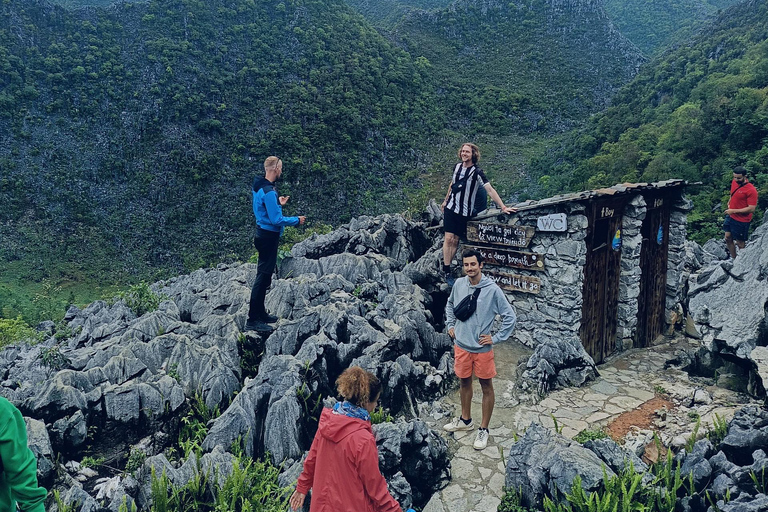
(342, 468)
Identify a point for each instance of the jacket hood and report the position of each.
(336, 427)
(260, 182)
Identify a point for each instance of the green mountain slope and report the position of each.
(653, 24)
(694, 113)
(520, 67)
(385, 13)
(129, 137)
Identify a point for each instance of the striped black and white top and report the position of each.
(463, 203)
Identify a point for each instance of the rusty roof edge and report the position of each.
(618, 189)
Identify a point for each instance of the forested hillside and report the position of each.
(385, 13)
(654, 24)
(130, 136)
(520, 67)
(694, 113)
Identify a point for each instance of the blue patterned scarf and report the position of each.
(351, 410)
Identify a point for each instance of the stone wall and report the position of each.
(555, 312)
(676, 256)
(629, 279)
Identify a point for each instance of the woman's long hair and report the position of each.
(358, 386)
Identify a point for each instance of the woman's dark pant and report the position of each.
(266, 243)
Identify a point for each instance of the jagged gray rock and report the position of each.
(747, 432)
(729, 301)
(543, 463)
(416, 453)
(556, 363)
(616, 457)
(40, 444)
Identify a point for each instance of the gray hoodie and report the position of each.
(490, 302)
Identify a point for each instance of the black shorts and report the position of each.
(455, 223)
(738, 230)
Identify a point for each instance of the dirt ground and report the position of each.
(641, 418)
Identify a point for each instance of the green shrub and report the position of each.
(251, 486)
(16, 330)
(380, 415)
(718, 431)
(589, 435)
(53, 358)
(625, 492)
(135, 460)
(510, 502)
(194, 426)
(91, 462)
(141, 299)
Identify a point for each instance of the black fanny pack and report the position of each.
(466, 308)
(461, 184)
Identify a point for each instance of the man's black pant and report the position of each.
(266, 243)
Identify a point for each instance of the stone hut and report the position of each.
(603, 266)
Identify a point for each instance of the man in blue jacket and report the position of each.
(268, 209)
(473, 342)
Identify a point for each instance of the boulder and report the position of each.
(728, 302)
(416, 453)
(543, 463)
(40, 444)
(556, 363)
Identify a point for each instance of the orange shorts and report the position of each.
(464, 363)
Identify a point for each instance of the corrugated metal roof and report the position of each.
(618, 189)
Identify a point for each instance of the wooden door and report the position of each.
(653, 268)
(601, 280)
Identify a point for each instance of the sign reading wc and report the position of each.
(552, 222)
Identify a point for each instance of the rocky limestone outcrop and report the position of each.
(728, 301)
(733, 475)
(112, 381)
(555, 364)
(544, 463)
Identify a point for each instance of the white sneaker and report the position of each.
(457, 424)
(481, 441)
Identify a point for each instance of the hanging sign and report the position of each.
(500, 234)
(514, 282)
(553, 222)
(506, 258)
(606, 212)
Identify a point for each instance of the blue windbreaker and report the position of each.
(267, 209)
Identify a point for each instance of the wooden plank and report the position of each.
(500, 234)
(507, 258)
(514, 282)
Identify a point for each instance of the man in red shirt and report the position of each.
(740, 208)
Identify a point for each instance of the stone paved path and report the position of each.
(624, 384)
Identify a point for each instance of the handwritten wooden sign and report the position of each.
(506, 258)
(500, 234)
(514, 282)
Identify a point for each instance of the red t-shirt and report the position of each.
(741, 197)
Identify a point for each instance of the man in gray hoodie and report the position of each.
(473, 342)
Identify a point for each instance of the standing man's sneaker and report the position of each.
(481, 441)
(258, 326)
(268, 319)
(449, 279)
(457, 424)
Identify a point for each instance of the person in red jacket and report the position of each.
(342, 467)
(741, 205)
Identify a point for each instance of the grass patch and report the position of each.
(589, 435)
